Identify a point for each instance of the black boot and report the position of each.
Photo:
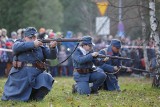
(93, 91)
(74, 89)
(39, 94)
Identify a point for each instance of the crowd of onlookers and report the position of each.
(129, 49)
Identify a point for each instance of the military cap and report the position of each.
(87, 40)
(30, 31)
(116, 43)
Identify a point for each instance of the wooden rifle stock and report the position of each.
(61, 40)
(113, 57)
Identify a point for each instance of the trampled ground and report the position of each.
(136, 92)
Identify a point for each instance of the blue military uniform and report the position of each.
(85, 62)
(28, 82)
(111, 82)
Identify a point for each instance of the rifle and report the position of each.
(155, 75)
(134, 69)
(61, 40)
(113, 57)
(124, 68)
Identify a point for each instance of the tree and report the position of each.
(42, 13)
(157, 6)
(79, 15)
(142, 2)
(11, 14)
(24, 13)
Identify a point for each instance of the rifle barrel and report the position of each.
(141, 70)
(135, 69)
(113, 57)
(61, 40)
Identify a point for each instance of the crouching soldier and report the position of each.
(111, 66)
(27, 79)
(84, 72)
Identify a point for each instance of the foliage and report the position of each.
(136, 92)
(11, 14)
(79, 15)
(74, 15)
(46, 14)
(23, 13)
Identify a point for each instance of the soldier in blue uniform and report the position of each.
(112, 65)
(84, 71)
(27, 79)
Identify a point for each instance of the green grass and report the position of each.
(136, 92)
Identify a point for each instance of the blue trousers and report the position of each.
(54, 71)
(2, 68)
(83, 80)
(111, 83)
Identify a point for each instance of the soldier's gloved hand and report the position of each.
(37, 43)
(115, 68)
(106, 59)
(53, 44)
(94, 54)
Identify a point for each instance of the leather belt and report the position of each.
(40, 66)
(83, 71)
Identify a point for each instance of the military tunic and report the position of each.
(111, 82)
(97, 77)
(21, 81)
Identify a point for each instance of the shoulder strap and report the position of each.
(43, 53)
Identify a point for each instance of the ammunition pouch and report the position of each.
(40, 65)
(17, 64)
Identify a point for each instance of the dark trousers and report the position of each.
(2, 68)
(38, 94)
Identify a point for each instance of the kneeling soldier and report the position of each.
(84, 72)
(26, 80)
(111, 66)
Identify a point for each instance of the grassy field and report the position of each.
(136, 92)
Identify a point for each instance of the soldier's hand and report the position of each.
(106, 59)
(53, 44)
(129, 69)
(115, 68)
(94, 54)
(37, 43)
